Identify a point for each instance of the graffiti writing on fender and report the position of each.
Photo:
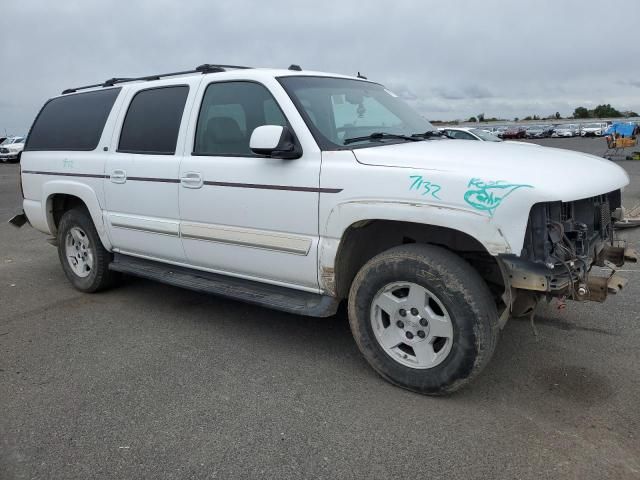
(487, 196)
(424, 186)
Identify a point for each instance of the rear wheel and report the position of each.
(84, 259)
(423, 318)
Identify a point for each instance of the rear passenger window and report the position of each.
(72, 122)
(229, 113)
(153, 121)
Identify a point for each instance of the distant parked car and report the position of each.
(469, 133)
(593, 129)
(536, 131)
(549, 129)
(499, 131)
(568, 130)
(515, 132)
(11, 148)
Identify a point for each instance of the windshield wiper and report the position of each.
(430, 134)
(379, 136)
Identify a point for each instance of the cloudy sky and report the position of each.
(451, 59)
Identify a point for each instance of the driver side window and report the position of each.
(229, 113)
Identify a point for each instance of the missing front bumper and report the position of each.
(537, 278)
(599, 287)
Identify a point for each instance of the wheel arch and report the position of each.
(60, 196)
(364, 240)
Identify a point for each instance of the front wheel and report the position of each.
(423, 318)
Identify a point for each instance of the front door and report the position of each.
(242, 214)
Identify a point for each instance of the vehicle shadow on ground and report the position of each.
(521, 364)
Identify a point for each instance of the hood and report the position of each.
(15, 146)
(556, 174)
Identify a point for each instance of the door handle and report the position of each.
(118, 176)
(192, 180)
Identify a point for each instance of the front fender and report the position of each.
(344, 215)
(84, 193)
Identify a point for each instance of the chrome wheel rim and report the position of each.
(78, 252)
(411, 325)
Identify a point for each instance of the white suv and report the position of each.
(298, 190)
(10, 149)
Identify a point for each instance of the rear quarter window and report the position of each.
(72, 122)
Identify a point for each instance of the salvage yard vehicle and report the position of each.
(10, 149)
(536, 131)
(299, 190)
(514, 132)
(593, 129)
(569, 130)
(467, 133)
(499, 131)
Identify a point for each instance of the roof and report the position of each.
(206, 70)
(464, 129)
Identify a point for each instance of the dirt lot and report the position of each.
(150, 381)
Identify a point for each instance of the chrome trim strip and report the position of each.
(295, 244)
(144, 224)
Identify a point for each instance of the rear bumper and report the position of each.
(36, 215)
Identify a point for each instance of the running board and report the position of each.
(257, 293)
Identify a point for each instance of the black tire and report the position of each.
(99, 277)
(459, 288)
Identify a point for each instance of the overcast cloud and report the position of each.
(449, 59)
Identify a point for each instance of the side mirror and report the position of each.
(275, 141)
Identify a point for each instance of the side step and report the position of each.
(270, 296)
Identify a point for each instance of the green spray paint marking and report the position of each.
(427, 188)
(488, 196)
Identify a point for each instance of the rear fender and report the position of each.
(84, 193)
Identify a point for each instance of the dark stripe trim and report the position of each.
(214, 184)
(151, 179)
(65, 174)
(274, 187)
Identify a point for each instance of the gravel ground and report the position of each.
(150, 381)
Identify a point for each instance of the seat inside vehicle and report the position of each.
(225, 136)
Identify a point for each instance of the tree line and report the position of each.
(601, 111)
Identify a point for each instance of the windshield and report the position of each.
(592, 125)
(484, 135)
(6, 141)
(340, 110)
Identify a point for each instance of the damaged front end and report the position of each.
(563, 241)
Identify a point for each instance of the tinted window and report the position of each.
(153, 121)
(229, 113)
(72, 122)
(463, 136)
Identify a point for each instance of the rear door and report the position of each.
(141, 181)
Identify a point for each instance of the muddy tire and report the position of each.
(84, 259)
(423, 318)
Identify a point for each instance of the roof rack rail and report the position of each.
(204, 68)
